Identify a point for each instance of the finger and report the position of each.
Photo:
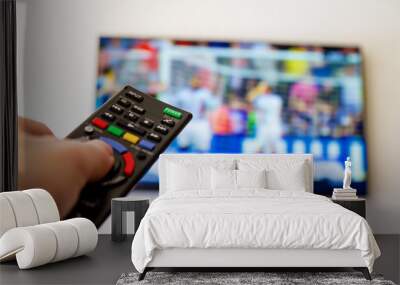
(98, 158)
(34, 127)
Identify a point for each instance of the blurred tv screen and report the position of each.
(250, 97)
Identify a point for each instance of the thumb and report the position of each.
(98, 159)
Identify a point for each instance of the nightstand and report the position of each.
(120, 207)
(356, 205)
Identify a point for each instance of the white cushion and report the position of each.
(281, 174)
(7, 217)
(45, 205)
(251, 178)
(223, 179)
(41, 244)
(67, 240)
(87, 235)
(187, 175)
(231, 180)
(32, 246)
(292, 179)
(26, 208)
(183, 178)
(23, 208)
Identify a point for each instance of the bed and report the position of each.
(246, 211)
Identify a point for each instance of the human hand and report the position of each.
(34, 128)
(62, 167)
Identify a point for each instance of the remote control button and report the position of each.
(136, 129)
(99, 123)
(116, 180)
(154, 137)
(134, 96)
(114, 130)
(120, 148)
(168, 122)
(114, 170)
(141, 155)
(123, 102)
(89, 130)
(147, 144)
(147, 123)
(117, 109)
(172, 113)
(129, 163)
(122, 123)
(138, 109)
(132, 117)
(161, 129)
(108, 116)
(130, 138)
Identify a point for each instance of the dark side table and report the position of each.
(358, 205)
(120, 207)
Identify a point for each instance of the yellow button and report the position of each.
(130, 138)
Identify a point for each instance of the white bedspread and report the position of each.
(250, 219)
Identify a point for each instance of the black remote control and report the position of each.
(139, 128)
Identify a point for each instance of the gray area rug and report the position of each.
(229, 278)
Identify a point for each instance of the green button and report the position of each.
(172, 113)
(115, 131)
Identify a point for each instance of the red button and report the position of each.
(100, 123)
(129, 163)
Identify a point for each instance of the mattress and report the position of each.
(251, 219)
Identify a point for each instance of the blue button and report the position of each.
(115, 145)
(147, 144)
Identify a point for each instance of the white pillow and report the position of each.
(183, 177)
(251, 178)
(293, 179)
(223, 179)
(281, 173)
(226, 179)
(186, 174)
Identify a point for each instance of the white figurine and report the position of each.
(347, 174)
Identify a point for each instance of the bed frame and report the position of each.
(249, 259)
(241, 259)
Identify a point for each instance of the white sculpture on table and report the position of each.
(345, 193)
(347, 174)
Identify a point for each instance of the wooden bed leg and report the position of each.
(364, 271)
(143, 274)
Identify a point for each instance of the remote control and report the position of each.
(139, 128)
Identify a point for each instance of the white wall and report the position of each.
(61, 44)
